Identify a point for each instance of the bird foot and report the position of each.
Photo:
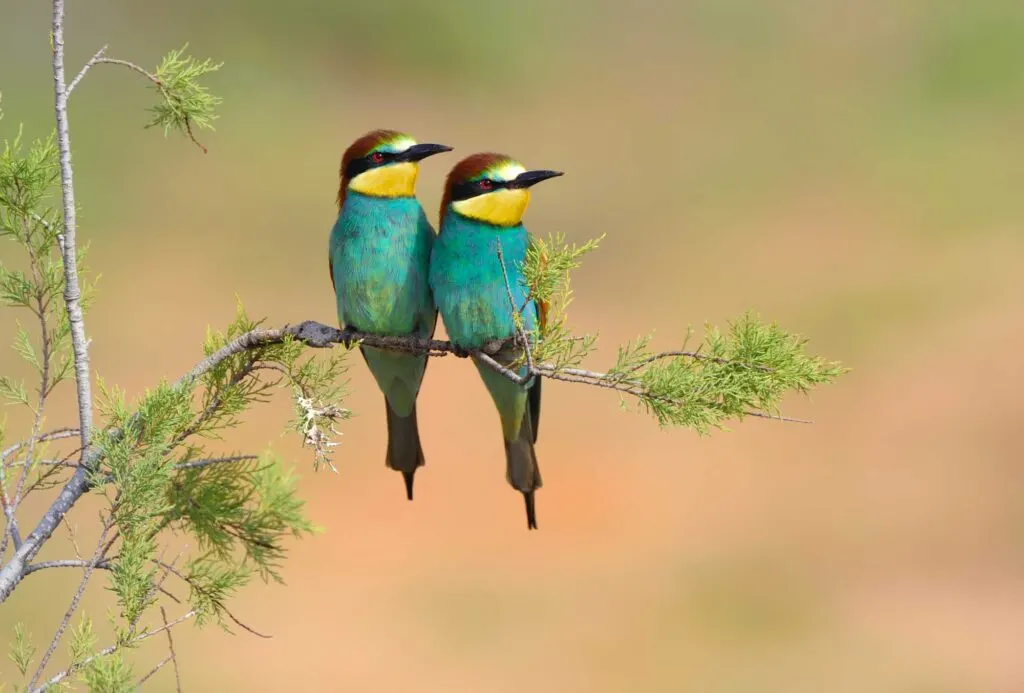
(460, 352)
(347, 336)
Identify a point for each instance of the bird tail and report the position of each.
(405, 454)
(521, 469)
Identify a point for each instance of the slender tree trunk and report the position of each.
(69, 248)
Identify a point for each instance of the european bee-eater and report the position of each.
(379, 254)
(484, 201)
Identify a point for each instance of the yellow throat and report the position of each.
(396, 180)
(503, 207)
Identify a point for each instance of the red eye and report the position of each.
(377, 157)
(485, 184)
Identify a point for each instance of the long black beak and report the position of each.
(528, 178)
(418, 152)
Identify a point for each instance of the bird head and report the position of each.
(492, 188)
(384, 163)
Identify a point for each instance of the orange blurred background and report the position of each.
(850, 169)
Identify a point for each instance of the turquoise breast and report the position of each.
(468, 284)
(380, 250)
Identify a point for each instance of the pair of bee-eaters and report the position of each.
(392, 275)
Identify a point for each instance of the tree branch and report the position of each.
(317, 335)
(191, 583)
(114, 648)
(101, 548)
(199, 464)
(85, 68)
(170, 647)
(104, 564)
(11, 506)
(56, 434)
(160, 665)
(67, 563)
(100, 59)
(517, 319)
(69, 247)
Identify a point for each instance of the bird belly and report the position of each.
(382, 300)
(474, 315)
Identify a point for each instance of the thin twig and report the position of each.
(517, 316)
(491, 363)
(163, 662)
(113, 648)
(55, 434)
(67, 563)
(218, 603)
(40, 220)
(72, 537)
(697, 356)
(10, 530)
(85, 68)
(106, 564)
(97, 556)
(577, 375)
(199, 464)
(131, 66)
(170, 647)
(44, 387)
(45, 463)
(101, 59)
(44, 477)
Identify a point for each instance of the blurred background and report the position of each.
(851, 169)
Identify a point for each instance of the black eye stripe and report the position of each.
(466, 190)
(357, 166)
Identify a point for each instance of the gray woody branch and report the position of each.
(316, 335)
(13, 571)
(68, 245)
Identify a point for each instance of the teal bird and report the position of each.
(484, 201)
(379, 253)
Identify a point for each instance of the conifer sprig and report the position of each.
(184, 100)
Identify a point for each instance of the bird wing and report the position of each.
(330, 268)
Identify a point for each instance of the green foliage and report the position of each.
(748, 371)
(317, 386)
(108, 674)
(27, 182)
(148, 458)
(212, 582)
(136, 462)
(159, 476)
(239, 512)
(546, 271)
(548, 264)
(186, 101)
(83, 642)
(22, 650)
(229, 387)
(728, 376)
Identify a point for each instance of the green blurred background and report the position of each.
(851, 169)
